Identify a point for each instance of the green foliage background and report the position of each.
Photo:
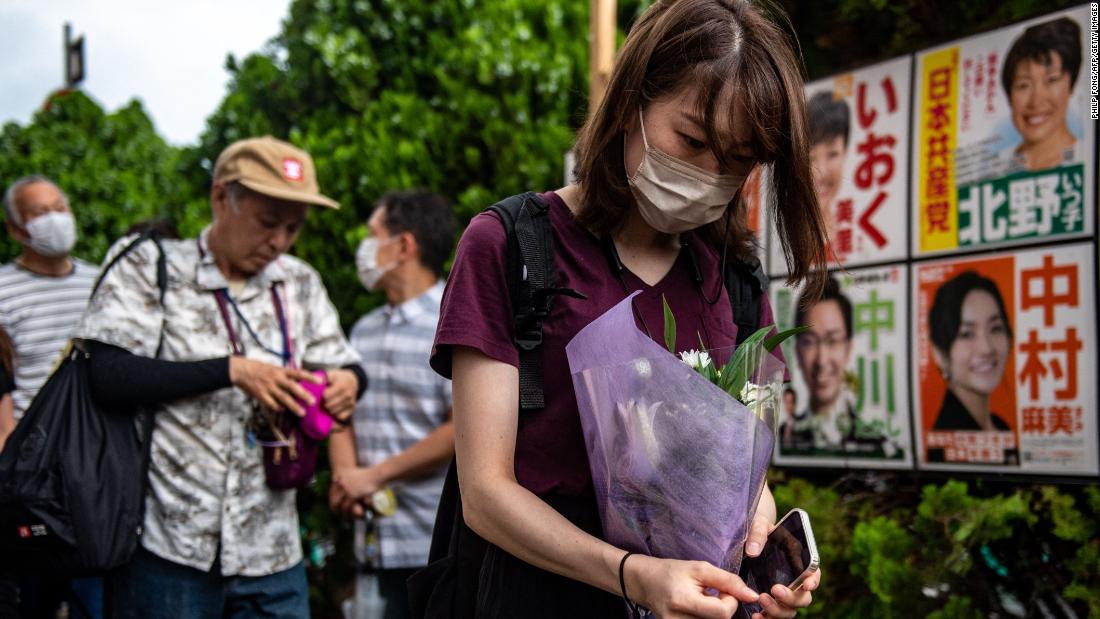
(114, 167)
(479, 100)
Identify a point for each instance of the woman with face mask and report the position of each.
(702, 92)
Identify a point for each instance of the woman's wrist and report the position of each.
(634, 571)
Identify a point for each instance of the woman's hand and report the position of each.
(763, 521)
(780, 601)
(274, 387)
(678, 589)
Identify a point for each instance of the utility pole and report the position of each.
(601, 57)
(74, 58)
(601, 49)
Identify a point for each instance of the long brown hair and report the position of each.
(722, 46)
(7, 351)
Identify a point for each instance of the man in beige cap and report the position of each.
(217, 540)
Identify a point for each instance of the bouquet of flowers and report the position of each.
(678, 447)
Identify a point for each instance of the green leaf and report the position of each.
(709, 372)
(670, 326)
(743, 362)
(773, 342)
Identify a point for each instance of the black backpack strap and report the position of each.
(529, 269)
(162, 265)
(746, 285)
(162, 288)
(445, 531)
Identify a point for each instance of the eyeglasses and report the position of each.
(812, 341)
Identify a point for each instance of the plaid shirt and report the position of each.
(207, 493)
(404, 402)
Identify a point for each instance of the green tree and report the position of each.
(114, 167)
(475, 102)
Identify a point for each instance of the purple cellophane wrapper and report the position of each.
(677, 464)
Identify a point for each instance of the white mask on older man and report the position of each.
(52, 234)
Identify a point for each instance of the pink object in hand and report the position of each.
(316, 423)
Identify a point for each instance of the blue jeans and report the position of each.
(149, 587)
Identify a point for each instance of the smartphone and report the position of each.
(789, 558)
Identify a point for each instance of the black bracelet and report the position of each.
(622, 585)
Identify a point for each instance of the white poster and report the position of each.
(848, 400)
(1004, 148)
(859, 152)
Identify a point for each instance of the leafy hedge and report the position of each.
(950, 550)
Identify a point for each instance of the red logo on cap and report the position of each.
(292, 169)
(24, 532)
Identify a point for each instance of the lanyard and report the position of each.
(225, 301)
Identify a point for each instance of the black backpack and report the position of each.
(447, 587)
(72, 473)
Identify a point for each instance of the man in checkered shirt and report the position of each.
(403, 434)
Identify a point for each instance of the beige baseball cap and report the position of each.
(273, 168)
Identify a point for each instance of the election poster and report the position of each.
(859, 154)
(756, 210)
(848, 401)
(1003, 146)
(1005, 358)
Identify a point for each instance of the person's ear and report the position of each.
(18, 233)
(409, 249)
(219, 199)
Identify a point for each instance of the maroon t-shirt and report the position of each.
(477, 312)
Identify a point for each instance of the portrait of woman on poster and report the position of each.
(971, 340)
(829, 133)
(1038, 76)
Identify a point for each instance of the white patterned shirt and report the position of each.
(404, 402)
(206, 492)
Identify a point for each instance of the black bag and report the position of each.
(447, 587)
(72, 474)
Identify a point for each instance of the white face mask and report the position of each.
(52, 234)
(675, 196)
(366, 262)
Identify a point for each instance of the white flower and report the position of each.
(643, 368)
(696, 359)
(750, 393)
(638, 418)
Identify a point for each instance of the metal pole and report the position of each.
(65, 54)
(601, 49)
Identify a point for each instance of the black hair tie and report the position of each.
(635, 610)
